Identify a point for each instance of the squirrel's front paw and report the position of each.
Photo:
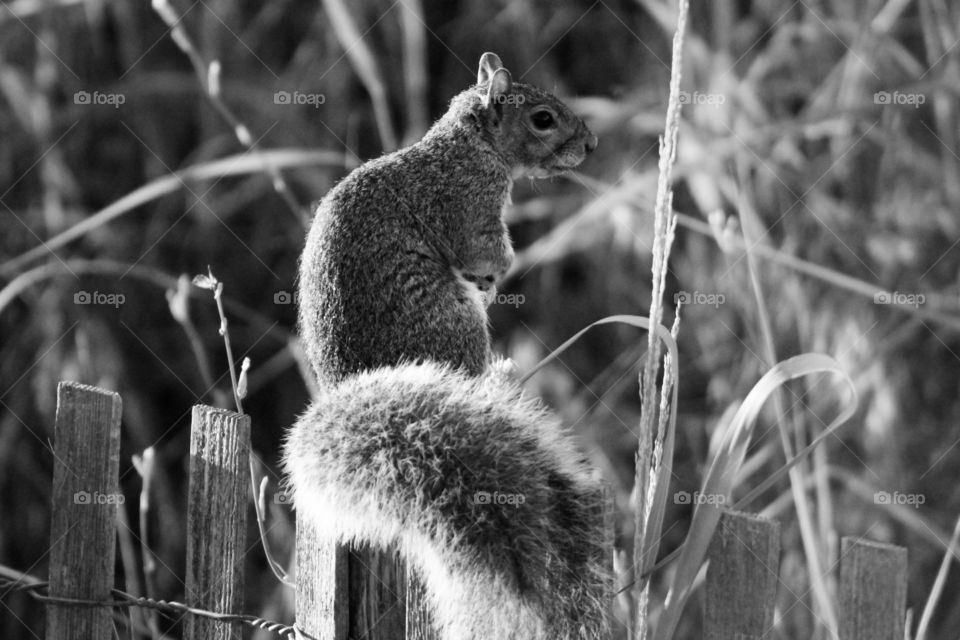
(484, 283)
(491, 265)
(490, 295)
(487, 285)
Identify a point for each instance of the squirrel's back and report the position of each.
(377, 274)
(405, 252)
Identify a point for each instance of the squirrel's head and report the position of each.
(537, 134)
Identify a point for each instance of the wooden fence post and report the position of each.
(377, 594)
(419, 619)
(86, 496)
(742, 577)
(216, 519)
(321, 600)
(357, 592)
(873, 590)
(373, 594)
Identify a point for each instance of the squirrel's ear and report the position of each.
(500, 85)
(489, 64)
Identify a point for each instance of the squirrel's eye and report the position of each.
(542, 119)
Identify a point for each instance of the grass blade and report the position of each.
(241, 163)
(723, 471)
(660, 474)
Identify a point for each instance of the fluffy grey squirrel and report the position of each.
(418, 439)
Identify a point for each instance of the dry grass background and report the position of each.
(844, 193)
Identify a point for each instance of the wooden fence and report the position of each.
(364, 593)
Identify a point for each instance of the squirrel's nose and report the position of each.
(591, 143)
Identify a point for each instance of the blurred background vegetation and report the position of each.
(828, 128)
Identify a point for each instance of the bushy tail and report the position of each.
(477, 485)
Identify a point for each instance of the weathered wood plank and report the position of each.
(217, 519)
(742, 578)
(86, 496)
(321, 599)
(873, 590)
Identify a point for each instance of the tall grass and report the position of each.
(822, 212)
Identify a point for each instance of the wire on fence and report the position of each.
(37, 590)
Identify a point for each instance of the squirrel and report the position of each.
(419, 438)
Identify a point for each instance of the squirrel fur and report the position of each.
(393, 251)
(418, 438)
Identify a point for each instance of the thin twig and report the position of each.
(144, 467)
(146, 274)
(259, 501)
(209, 77)
(211, 283)
(177, 300)
(131, 574)
(224, 331)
